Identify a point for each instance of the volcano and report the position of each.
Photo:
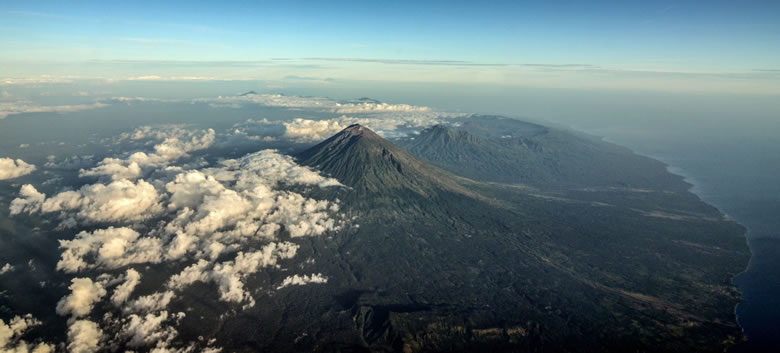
(363, 160)
(436, 260)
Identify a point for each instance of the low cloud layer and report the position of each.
(6, 268)
(84, 293)
(176, 143)
(219, 225)
(296, 280)
(84, 336)
(10, 168)
(21, 107)
(11, 335)
(321, 104)
(388, 120)
(119, 201)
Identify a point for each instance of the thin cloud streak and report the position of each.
(406, 61)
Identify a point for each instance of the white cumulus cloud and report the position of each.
(118, 201)
(110, 248)
(296, 280)
(6, 268)
(145, 330)
(84, 336)
(176, 143)
(122, 292)
(10, 168)
(229, 276)
(223, 224)
(11, 336)
(83, 295)
(305, 130)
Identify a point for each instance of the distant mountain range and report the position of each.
(523, 238)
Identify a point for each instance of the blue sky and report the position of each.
(623, 42)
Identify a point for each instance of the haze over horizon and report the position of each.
(667, 46)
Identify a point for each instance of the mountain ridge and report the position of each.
(518, 152)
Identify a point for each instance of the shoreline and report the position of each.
(696, 189)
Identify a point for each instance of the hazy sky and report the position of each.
(723, 46)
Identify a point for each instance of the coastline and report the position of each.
(697, 188)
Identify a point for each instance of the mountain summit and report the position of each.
(366, 162)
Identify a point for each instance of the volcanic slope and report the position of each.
(431, 261)
(512, 151)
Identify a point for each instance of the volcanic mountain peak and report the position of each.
(359, 130)
(363, 160)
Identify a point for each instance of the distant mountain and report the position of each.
(362, 100)
(512, 151)
(247, 94)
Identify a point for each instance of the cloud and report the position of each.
(11, 333)
(118, 201)
(110, 248)
(377, 107)
(274, 100)
(305, 130)
(30, 200)
(129, 100)
(38, 79)
(122, 292)
(70, 162)
(363, 106)
(149, 303)
(84, 336)
(240, 201)
(408, 61)
(21, 107)
(6, 268)
(388, 124)
(271, 168)
(149, 329)
(144, 78)
(296, 280)
(229, 276)
(177, 143)
(207, 211)
(189, 275)
(258, 130)
(83, 295)
(171, 78)
(222, 223)
(10, 168)
(388, 120)
(562, 66)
